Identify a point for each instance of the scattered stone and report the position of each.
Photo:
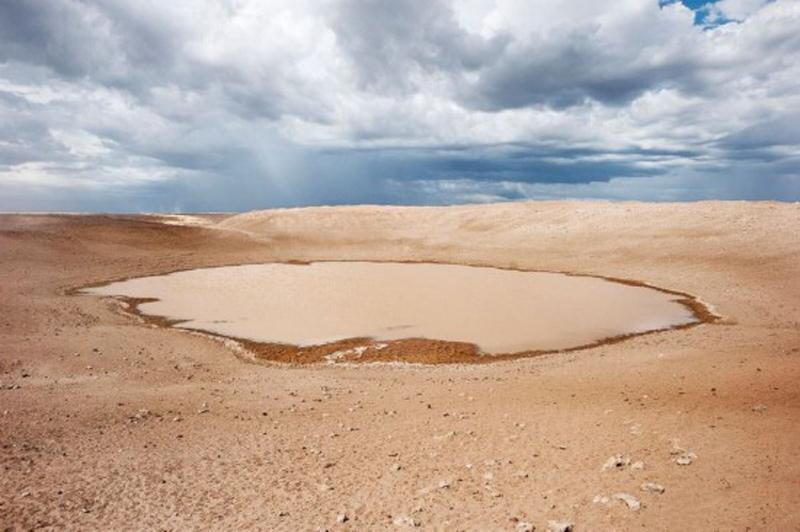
(524, 526)
(760, 409)
(632, 502)
(203, 409)
(652, 487)
(444, 484)
(637, 466)
(342, 518)
(396, 467)
(559, 526)
(601, 499)
(617, 461)
(405, 520)
(686, 458)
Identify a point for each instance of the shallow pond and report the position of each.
(501, 311)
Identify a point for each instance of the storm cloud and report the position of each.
(222, 105)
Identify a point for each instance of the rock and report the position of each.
(601, 499)
(444, 484)
(203, 409)
(686, 458)
(632, 502)
(342, 518)
(396, 467)
(405, 520)
(760, 409)
(616, 462)
(652, 487)
(637, 466)
(524, 526)
(559, 526)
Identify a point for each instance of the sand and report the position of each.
(110, 423)
(500, 311)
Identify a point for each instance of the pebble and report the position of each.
(524, 526)
(405, 520)
(203, 409)
(444, 484)
(760, 408)
(652, 487)
(559, 526)
(616, 462)
(632, 502)
(342, 518)
(686, 459)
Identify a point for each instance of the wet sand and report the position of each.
(500, 311)
(110, 423)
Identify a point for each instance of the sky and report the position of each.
(232, 105)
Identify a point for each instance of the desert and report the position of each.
(111, 421)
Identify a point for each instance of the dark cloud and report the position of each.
(387, 41)
(211, 105)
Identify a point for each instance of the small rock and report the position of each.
(405, 520)
(601, 499)
(615, 462)
(632, 502)
(686, 458)
(396, 467)
(524, 526)
(203, 409)
(652, 487)
(444, 484)
(637, 466)
(559, 526)
(342, 518)
(760, 409)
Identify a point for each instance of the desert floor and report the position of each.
(109, 423)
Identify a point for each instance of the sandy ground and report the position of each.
(111, 424)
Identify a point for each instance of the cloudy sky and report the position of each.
(197, 105)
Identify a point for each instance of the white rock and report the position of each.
(559, 526)
(524, 526)
(652, 487)
(686, 458)
(342, 518)
(405, 520)
(444, 484)
(632, 502)
(601, 499)
(637, 466)
(616, 461)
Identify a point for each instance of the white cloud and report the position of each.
(118, 93)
